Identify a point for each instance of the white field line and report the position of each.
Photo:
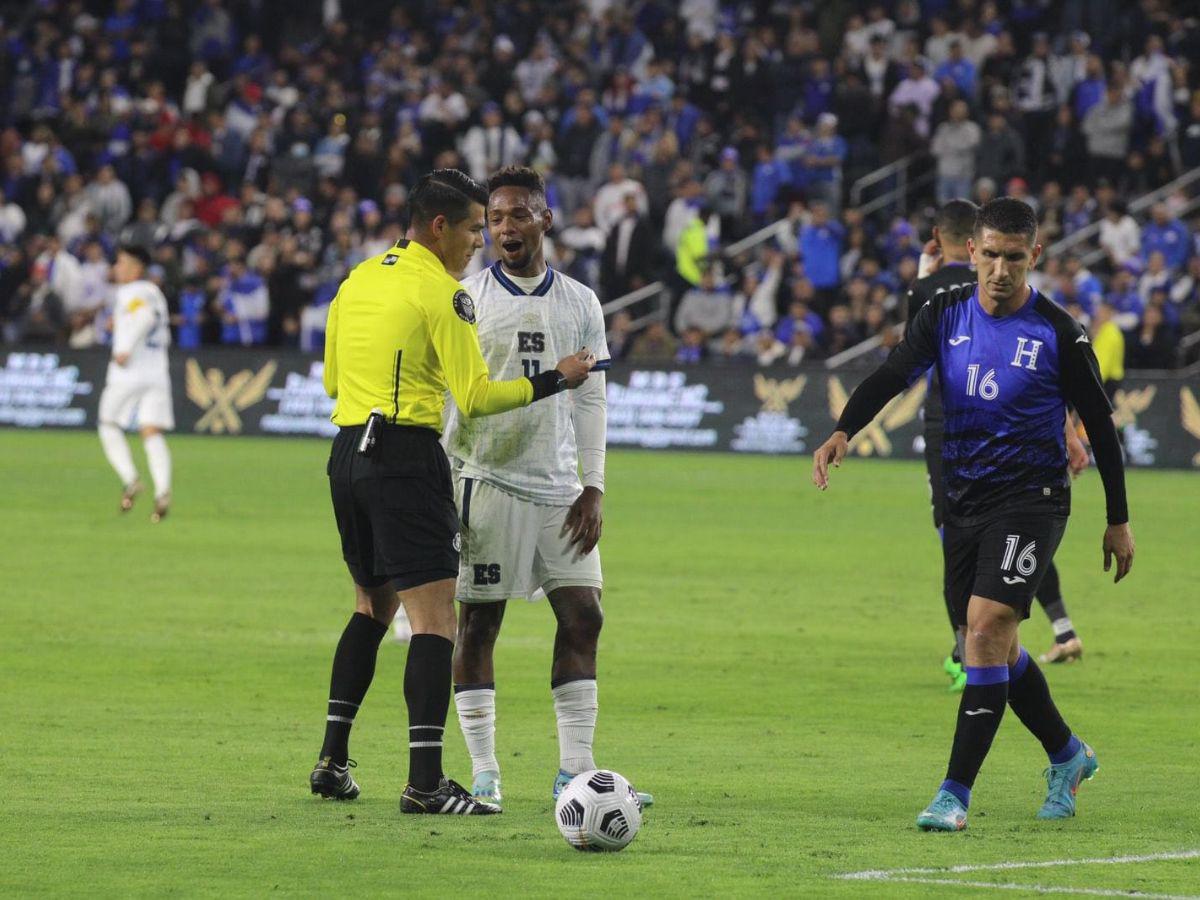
(923, 875)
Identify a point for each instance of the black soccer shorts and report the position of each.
(934, 466)
(1002, 559)
(395, 509)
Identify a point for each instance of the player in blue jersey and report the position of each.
(1009, 361)
(946, 264)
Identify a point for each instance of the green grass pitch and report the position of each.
(769, 670)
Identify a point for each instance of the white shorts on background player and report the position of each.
(511, 547)
(138, 394)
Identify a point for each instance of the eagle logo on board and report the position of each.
(464, 306)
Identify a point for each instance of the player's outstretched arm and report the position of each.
(1084, 390)
(833, 451)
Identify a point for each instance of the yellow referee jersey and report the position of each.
(401, 331)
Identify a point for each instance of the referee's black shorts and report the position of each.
(394, 509)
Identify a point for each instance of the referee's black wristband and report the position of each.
(547, 384)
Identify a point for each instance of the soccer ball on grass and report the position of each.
(599, 810)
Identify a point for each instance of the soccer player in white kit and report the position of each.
(530, 523)
(137, 389)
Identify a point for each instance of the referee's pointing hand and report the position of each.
(574, 368)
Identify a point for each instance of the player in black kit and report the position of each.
(946, 264)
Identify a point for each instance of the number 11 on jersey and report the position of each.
(532, 367)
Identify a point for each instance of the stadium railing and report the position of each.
(903, 181)
(1188, 181)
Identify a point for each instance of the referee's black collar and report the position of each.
(509, 285)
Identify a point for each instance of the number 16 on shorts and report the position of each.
(1024, 561)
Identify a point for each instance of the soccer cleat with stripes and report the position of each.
(449, 799)
(945, 813)
(333, 781)
(1062, 783)
(486, 787)
(564, 778)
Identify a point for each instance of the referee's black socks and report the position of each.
(427, 693)
(353, 669)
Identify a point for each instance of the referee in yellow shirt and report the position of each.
(400, 334)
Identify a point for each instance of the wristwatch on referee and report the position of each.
(547, 384)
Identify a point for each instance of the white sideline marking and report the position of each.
(923, 875)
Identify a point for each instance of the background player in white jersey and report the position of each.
(137, 389)
(529, 521)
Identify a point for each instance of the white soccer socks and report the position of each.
(477, 718)
(159, 459)
(116, 450)
(575, 707)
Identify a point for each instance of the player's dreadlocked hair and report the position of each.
(1008, 215)
(520, 177)
(956, 220)
(445, 192)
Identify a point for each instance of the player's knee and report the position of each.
(581, 625)
(479, 625)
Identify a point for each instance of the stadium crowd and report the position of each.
(260, 150)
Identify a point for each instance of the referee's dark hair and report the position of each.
(955, 221)
(519, 177)
(138, 252)
(1008, 215)
(445, 192)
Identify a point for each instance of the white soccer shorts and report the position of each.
(138, 404)
(511, 547)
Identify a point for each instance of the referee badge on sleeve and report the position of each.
(464, 306)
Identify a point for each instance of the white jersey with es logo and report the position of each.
(141, 328)
(138, 393)
(535, 453)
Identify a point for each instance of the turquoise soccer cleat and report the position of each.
(1063, 782)
(564, 778)
(945, 813)
(486, 787)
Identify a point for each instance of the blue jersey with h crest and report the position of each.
(1005, 384)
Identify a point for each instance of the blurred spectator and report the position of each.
(954, 145)
(491, 144)
(244, 305)
(727, 189)
(825, 155)
(1168, 236)
(628, 260)
(1107, 127)
(1109, 345)
(12, 220)
(1000, 154)
(609, 205)
(1152, 345)
(692, 250)
(654, 345)
(620, 335)
(918, 90)
(1120, 236)
(707, 308)
(821, 249)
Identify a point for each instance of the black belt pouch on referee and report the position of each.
(394, 506)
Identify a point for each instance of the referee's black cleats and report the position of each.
(449, 799)
(333, 781)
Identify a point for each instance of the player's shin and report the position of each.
(575, 708)
(427, 693)
(1029, 697)
(476, 705)
(979, 715)
(117, 452)
(159, 459)
(353, 669)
